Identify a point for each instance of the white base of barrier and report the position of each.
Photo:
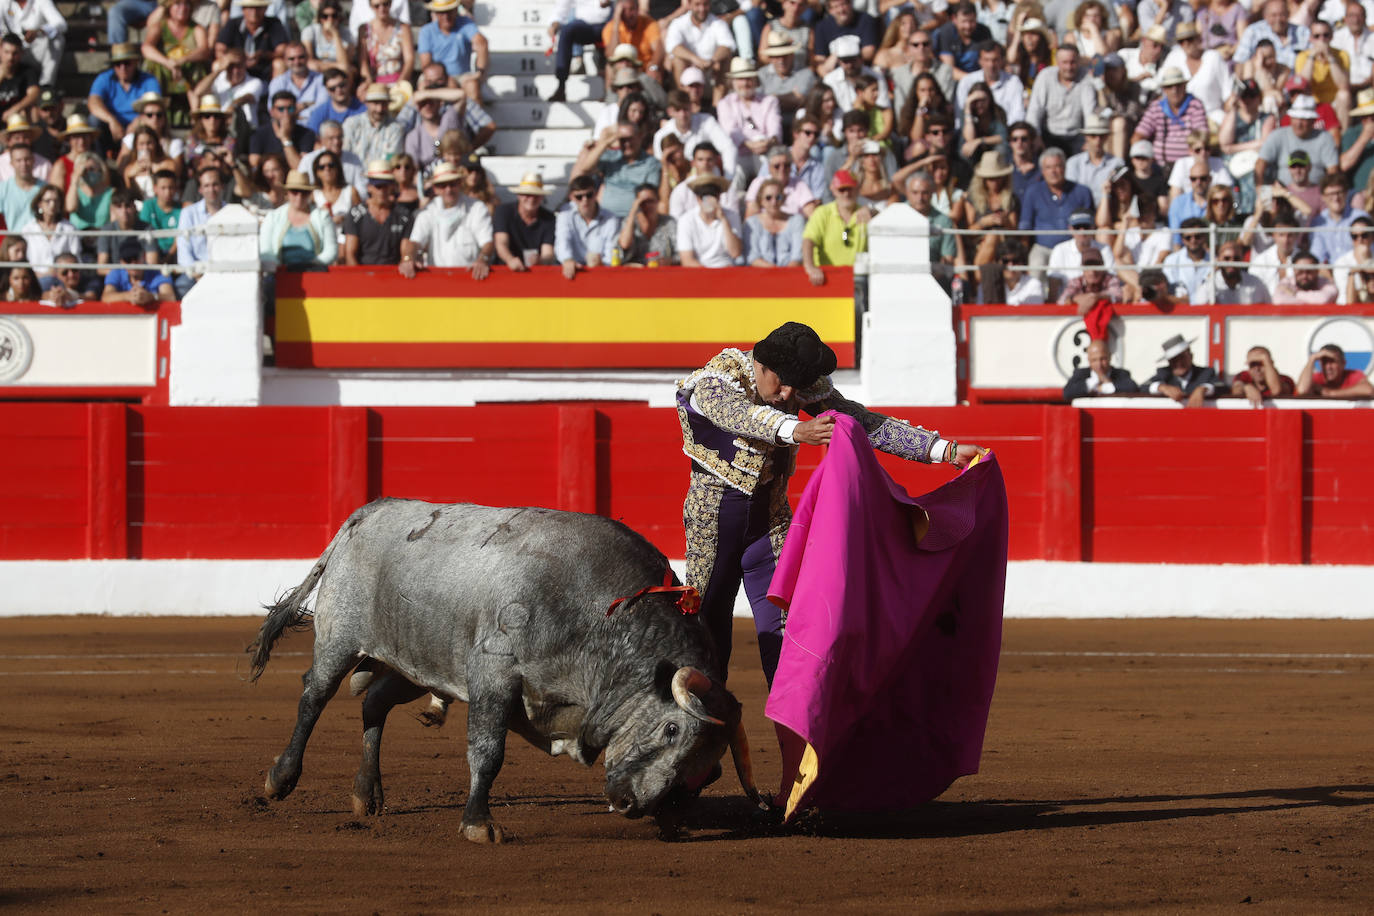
(195, 588)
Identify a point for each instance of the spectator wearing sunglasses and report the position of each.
(329, 43)
(1361, 251)
(584, 233)
(340, 104)
(1002, 284)
(773, 237)
(70, 284)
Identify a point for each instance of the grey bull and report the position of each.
(505, 609)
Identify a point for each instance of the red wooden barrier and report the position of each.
(109, 481)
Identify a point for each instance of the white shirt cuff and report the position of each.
(940, 451)
(785, 431)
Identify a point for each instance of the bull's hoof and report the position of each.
(485, 832)
(367, 799)
(276, 785)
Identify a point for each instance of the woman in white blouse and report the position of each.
(49, 234)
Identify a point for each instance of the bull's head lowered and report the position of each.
(672, 737)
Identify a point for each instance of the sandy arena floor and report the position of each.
(1150, 765)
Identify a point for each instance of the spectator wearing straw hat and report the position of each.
(1143, 63)
(1094, 166)
(19, 132)
(1209, 76)
(1357, 151)
(1178, 378)
(624, 84)
(523, 230)
(262, 39)
(18, 81)
(79, 138)
(373, 230)
(237, 91)
(114, 91)
(377, 135)
(298, 235)
(628, 26)
(780, 77)
(453, 230)
(623, 60)
(710, 235)
(1170, 119)
(752, 121)
(452, 39)
(1301, 134)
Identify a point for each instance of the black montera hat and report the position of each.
(796, 353)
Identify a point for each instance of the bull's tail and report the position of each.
(289, 612)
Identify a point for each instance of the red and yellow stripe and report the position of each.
(607, 318)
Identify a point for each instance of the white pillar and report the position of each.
(908, 334)
(217, 348)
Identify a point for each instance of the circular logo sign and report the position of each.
(16, 350)
(1350, 334)
(1070, 345)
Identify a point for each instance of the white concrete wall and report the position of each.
(1034, 589)
(908, 354)
(217, 348)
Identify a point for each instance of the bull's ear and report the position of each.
(663, 679)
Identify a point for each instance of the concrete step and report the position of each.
(526, 14)
(538, 142)
(511, 88)
(573, 115)
(518, 39)
(516, 63)
(508, 170)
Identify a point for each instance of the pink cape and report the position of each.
(890, 653)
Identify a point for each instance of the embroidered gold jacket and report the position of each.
(729, 432)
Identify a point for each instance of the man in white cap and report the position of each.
(693, 81)
(843, 19)
(846, 50)
(699, 40)
(693, 129)
(452, 39)
(454, 230)
(780, 78)
(376, 135)
(524, 229)
(1093, 167)
(1178, 379)
(1300, 134)
(640, 32)
(752, 121)
(261, 37)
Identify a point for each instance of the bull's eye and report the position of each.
(670, 730)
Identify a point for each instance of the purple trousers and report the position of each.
(743, 553)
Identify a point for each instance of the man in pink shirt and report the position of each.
(1308, 286)
(753, 121)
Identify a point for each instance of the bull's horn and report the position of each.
(744, 767)
(689, 685)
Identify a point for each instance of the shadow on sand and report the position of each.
(723, 818)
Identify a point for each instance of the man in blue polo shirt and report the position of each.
(1047, 205)
(451, 39)
(115, 90)
(340, 105)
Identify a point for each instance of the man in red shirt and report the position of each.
(1327, 377)
(1261, 380)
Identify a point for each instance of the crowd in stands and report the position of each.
(1073, 151)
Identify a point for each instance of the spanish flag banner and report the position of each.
(621, 318)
